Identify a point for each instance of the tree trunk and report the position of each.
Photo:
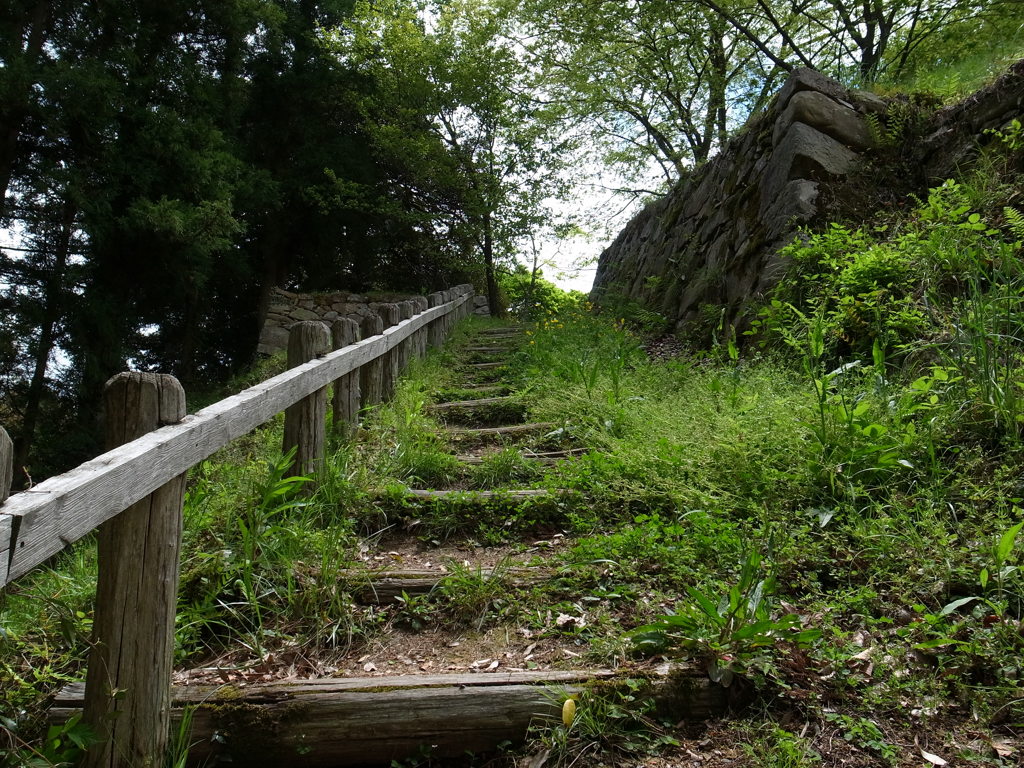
(493, 298)
(52, 310)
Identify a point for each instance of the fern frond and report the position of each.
(1015, 221)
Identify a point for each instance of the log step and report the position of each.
(515, 429)
(379, 587)
(478, 460)
(511, 330)
(544, 457)
(495, 348)
(456, 405)
(487, 366)
(328, 722)
(514, 495)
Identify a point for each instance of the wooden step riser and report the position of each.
(456, 405)
(387, 587)
(373, 721)
(479, 413)
(483, 496)
(515, 429)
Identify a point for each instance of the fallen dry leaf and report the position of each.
(1002, 747)
(933, 759)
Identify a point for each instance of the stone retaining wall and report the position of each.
(713, 240)
(700, 254)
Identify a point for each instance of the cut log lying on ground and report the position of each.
(373, 721)
(379, 587)
(491, 348)
(486, 366)
(541, 457)
(512, 330)
(485, 387)
(483, 495)
(515, 429)
(477, 460)
(470, 404)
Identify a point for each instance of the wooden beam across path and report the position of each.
(376, 720)
(379, 587)
(515, 429)
(458, 405)
(508, 330)
(513, 495)
(38, 523)
(542, 457)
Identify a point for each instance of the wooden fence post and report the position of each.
(371, 375)
(128, 684)
(406, 309)
(389, 313)
(305, 423)
(346, 389)
(420, 347)
(6, 465)
(435, 331)
(467, 308)
(447, 295)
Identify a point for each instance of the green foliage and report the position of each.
(940, 278)
(1012, 136)
(890, 131)
(577, 348)
(781, 749)
(63, 745)
(735, 634)
(471, 596)
(529, 298)
(503, 468)
(864, 733)
(616, 720)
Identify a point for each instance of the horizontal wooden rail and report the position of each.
(38, 523)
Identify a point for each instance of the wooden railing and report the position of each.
(134, 494)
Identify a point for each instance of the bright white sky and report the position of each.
(572, 263)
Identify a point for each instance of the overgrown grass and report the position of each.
(867, 456)
(828, 519)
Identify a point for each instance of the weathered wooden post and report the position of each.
(467, 307)
(128, 684)
(371, 375)
(447, 295)
(406, 309)
(6, 465)
(420, 345)
(390, 314)
(435, 331)
(305, 423)
(346, 389)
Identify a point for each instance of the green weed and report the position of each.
(734, 634)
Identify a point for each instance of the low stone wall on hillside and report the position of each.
(287, 308)
(700, 254)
